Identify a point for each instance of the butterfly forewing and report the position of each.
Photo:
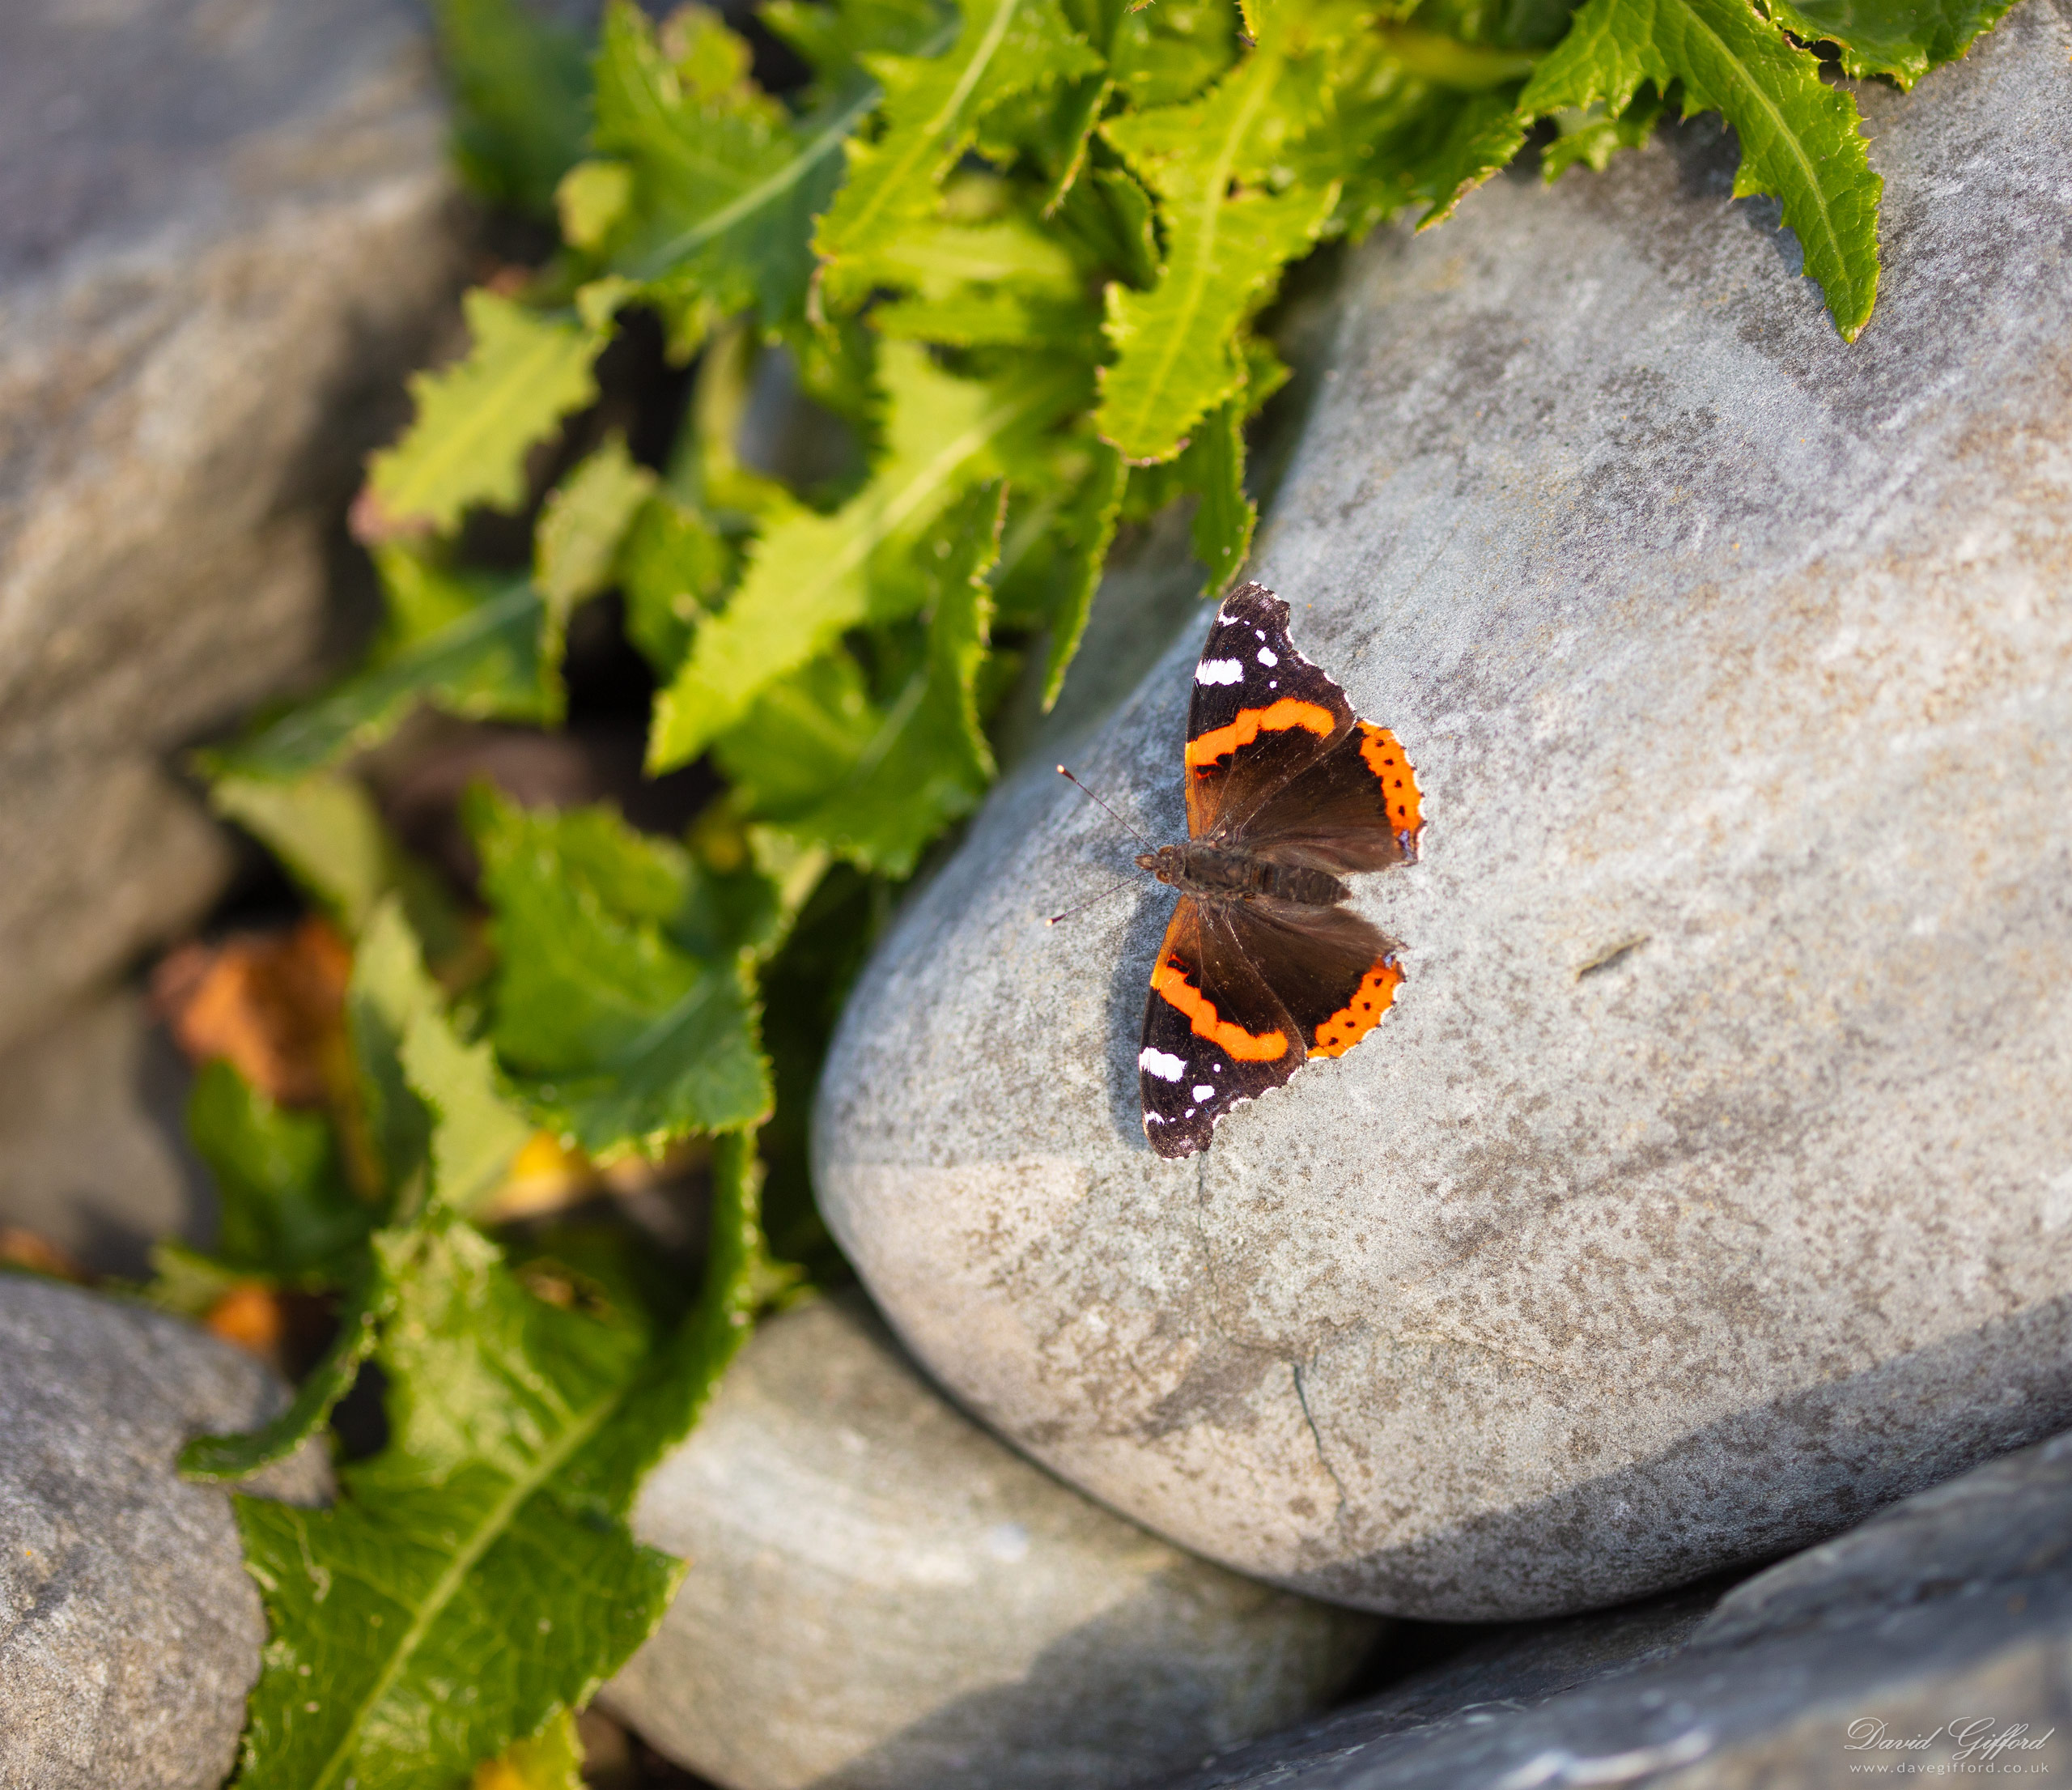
(1261, 714)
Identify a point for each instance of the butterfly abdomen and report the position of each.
(1212, 873)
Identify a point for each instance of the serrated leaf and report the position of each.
(833, 39)
(521, 87)
(232, 1457)
(1799, 139)
(879, 793)
(483, 664)
(582, 523)
(325, 829)
(1904, 39)
(477, 419)
(1214, 466)
(809, 578)
(1485, 132)
(932, 110)
(389, 990)
(284, 1209)
(475, 1131)
(454, 1546)
(673, 567)
(1228, 237)
(725, 185)
(612, 1028)
(1092, 529)
(1165, 54)
(1593, 137)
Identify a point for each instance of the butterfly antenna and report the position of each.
(1091, 796)
(1128, 882)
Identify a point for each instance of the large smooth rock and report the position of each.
(882, 1597)
(1710, 1185)
(1935, 1641)
(226, 231)
(129, 1633)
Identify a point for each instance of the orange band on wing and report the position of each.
(1251, 723)
(1352, 1021)
(1170, 981)
(1385, 758)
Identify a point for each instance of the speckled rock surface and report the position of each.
(129, 1633)
(880, 1597)
(1935, 1642)
(1710, 1185)
(225, 233)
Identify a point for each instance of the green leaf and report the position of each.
(725, 186)
(456, 1596)
(285, 1209)
(390, 994)
(582, 523)
(325, 829)
(905, 771)
(1092, 528)
(1593, 136)
(1904, 39)
(833, 39)
(1214, 465)
(932, 111)
(1799, 139)
(672, 568)
(477, 1579)
(623, 1015)
(482, 664)
(476, 420)
(221, 1457)
(1165, 54)
(1228, 237)
(520, 86)
(809, 578)
(475, 1133)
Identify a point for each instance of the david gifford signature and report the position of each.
(1971, 1741)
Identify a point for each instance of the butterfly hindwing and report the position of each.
(1214, 1032)
(1354, 809)
(1261, 714)
(1333, 973)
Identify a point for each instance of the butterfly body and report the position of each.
(1263, 967)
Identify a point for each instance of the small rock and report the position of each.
(225, 233)
(882, 1595)
(93, 1156)
(129, 1633)
(1935, 1640)
(1708, 1186)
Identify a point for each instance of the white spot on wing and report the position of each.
(1157, 1062)
(1219, 671)
(1268, 656)
(1203, 1093)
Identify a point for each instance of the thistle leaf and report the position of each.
(809, 578)
(1093, 528)
(932, 111)
(1799, 137)
(520, 89)
(476, 419)
(1904, 39)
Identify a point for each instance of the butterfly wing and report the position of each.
(1354, 809)
(1332, 973)
(1214, 1032)
(1261, 715)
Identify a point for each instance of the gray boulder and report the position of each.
(225, 234)
(882, 1597)
(1707, 1187)
(129, 1633)
(1931, 1642)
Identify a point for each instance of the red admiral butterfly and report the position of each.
(1287, 789)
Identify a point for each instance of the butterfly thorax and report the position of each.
(1213, 873)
